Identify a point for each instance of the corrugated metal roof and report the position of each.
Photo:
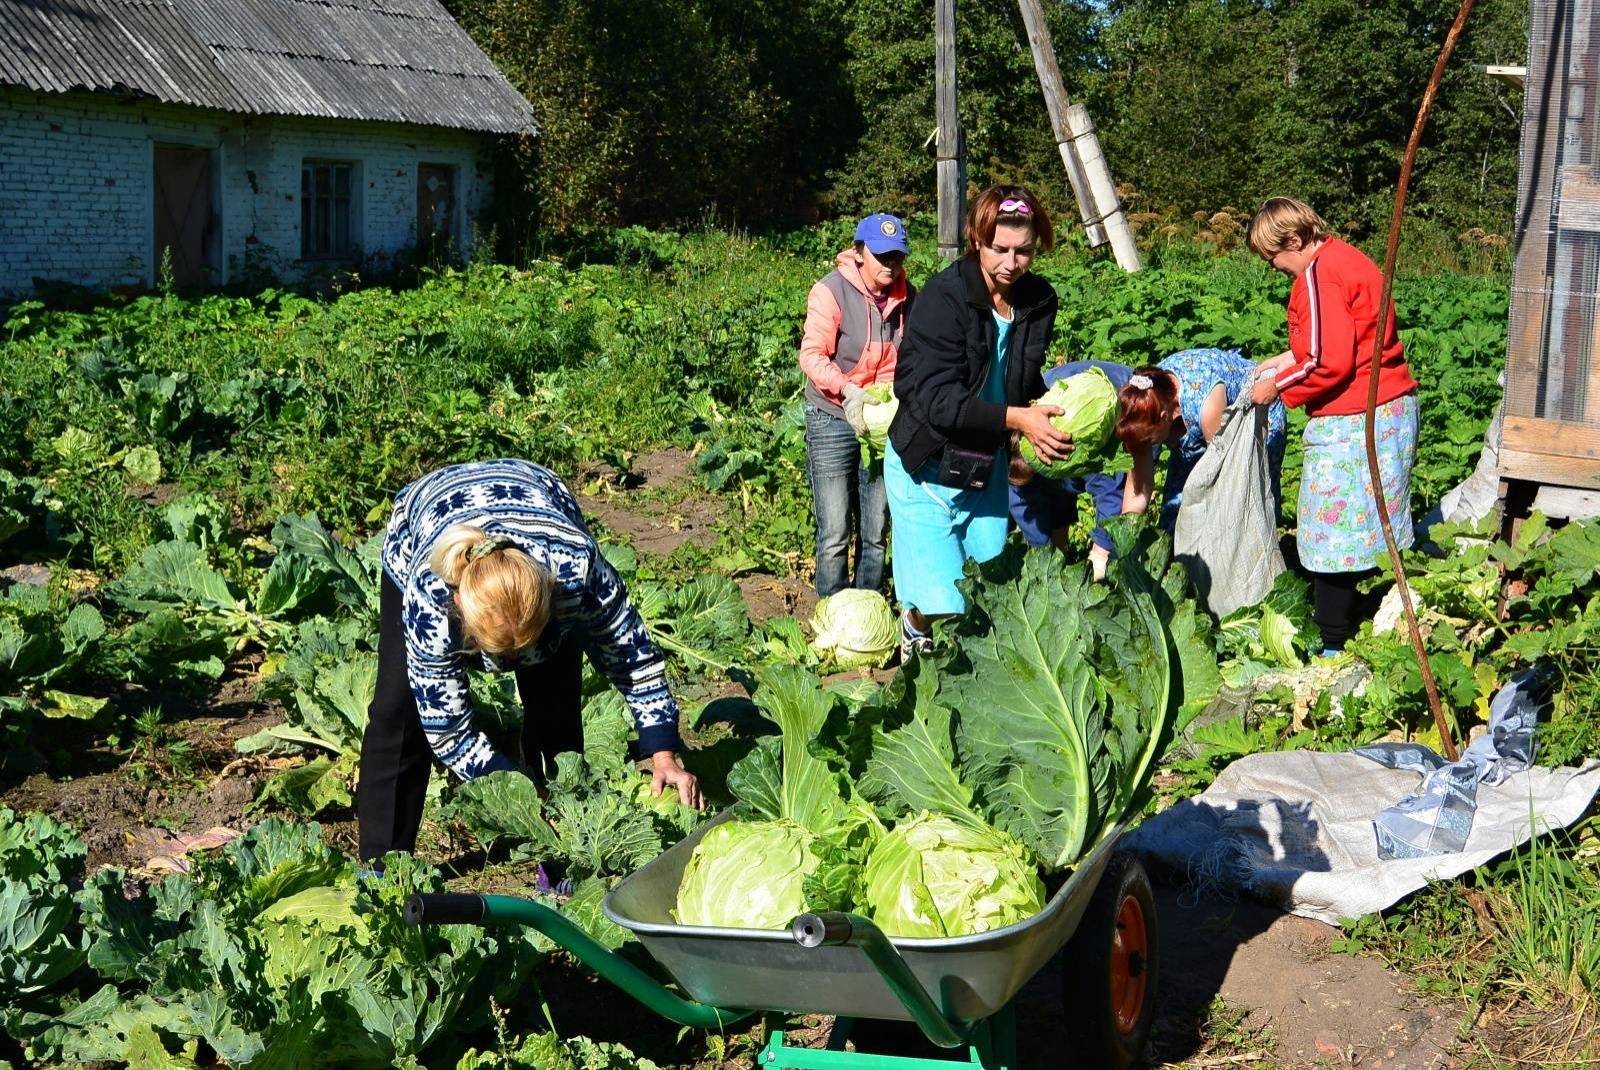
(388, 60)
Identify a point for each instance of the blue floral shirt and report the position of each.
(531, 508)
(1198, 372)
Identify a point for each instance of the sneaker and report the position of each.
(913, 641)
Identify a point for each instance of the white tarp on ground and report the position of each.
(1295, 828)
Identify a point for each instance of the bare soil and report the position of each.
(777, 596)
(655, 506)
(119, 807)
(1318, 1008)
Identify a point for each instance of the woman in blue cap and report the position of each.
(855, 318)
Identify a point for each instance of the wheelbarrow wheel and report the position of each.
(1110, 969)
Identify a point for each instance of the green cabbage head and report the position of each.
(934, 876)
(1088, 404)
(855, 628)
(747, 875)
(879, 414)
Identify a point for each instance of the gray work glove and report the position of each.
(855, 403)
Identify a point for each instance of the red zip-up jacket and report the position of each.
(1333, 318)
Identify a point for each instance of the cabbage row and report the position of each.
(272, 954)
(934, 806)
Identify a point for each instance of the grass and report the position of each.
(1516, 942)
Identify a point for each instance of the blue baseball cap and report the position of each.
(883, 233)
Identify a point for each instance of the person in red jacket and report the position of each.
(1333, 323)
(855, 317)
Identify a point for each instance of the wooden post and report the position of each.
(1103, 217)
(1086, 147)
(948, 149)
(1055, 102)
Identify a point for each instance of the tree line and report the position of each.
(771, 113)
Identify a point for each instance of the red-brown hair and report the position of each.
(1142, 420)
(985, 215)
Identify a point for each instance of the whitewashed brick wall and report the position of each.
(77, 185)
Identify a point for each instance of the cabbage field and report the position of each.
(189, 492)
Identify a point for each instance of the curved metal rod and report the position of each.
(469, 909)
(836, 929)
(1376, 474)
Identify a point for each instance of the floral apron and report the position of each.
(1339, 530)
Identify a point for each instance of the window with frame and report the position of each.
(327, 198)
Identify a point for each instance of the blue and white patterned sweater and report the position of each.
(531, 508)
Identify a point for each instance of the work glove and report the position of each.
(855, 404)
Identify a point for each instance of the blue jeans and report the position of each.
(840, 490)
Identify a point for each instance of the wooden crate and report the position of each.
(1552, 427)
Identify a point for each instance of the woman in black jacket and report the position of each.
(971, 362)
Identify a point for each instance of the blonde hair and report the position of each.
(1279, 218)
(502, 594)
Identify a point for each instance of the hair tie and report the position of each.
(1016, 205)
(484, 547)
(1140, 382)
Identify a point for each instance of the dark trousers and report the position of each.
(1339, 607)
(396, 758)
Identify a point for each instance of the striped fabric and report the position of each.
(1313, 357)
(531, 508)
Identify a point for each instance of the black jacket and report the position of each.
(947, 352)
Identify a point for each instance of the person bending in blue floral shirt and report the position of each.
(490, 562)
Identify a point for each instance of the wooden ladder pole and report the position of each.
(952, 176)
(1056, 103)
(1103, 218)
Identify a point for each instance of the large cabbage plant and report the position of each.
(751, 872)
(934, 805)
(936, 876)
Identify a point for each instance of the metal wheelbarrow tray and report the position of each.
(969, 977)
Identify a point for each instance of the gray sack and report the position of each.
(1227, 530)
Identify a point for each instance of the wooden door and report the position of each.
(436, 210)
(183, 214)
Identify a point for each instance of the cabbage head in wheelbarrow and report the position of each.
(934, 807)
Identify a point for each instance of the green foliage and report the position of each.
(547, 1051)
(1277, 633)
(40, 944)
(596, 816)
(272, 954)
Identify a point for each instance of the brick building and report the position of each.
(239, 136)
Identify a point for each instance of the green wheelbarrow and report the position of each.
(958, 991)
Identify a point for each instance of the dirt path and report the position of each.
(656, 507)
(1302, 1005)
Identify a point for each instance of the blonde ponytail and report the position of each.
(502, 594)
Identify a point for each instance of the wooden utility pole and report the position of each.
(948, 141)
(1103, 217)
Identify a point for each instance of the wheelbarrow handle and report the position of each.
(835, 929)
(444, 908)
(458, 909)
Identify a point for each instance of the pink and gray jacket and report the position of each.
(846, 338)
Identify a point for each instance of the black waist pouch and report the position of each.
(965, 469)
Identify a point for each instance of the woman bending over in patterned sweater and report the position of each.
(491, 563)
